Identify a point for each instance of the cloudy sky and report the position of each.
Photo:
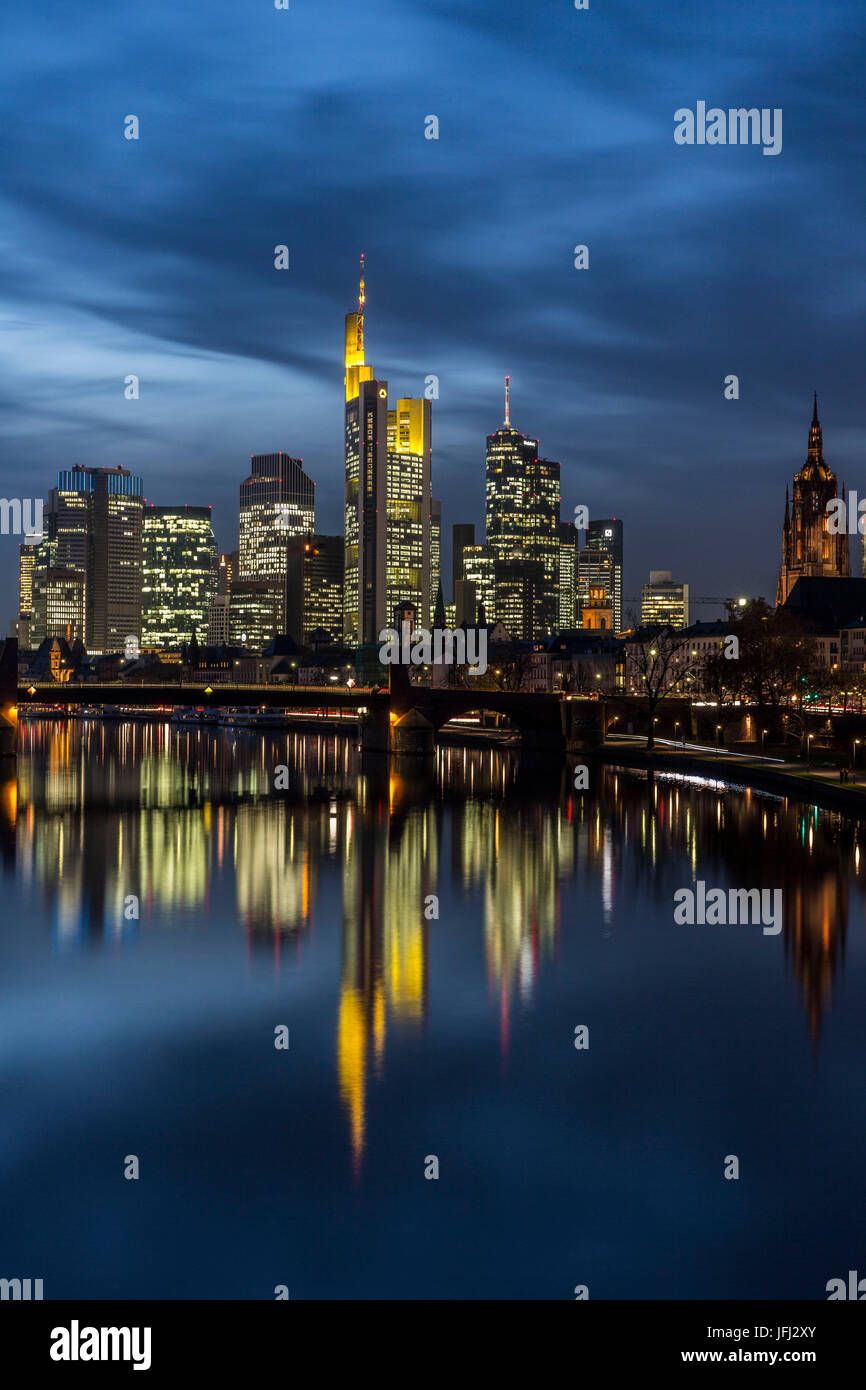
(305, 127)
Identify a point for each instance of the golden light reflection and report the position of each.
(193, 823)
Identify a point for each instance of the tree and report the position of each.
(514, 663)
(662, 664)
(721, 682)
(775, 651)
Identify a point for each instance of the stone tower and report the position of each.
(808, 547)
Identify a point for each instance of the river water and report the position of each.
(430, 940)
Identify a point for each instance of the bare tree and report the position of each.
(663, 665)
(513, 664)
(722, 682)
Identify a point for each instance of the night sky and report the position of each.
(306, 127)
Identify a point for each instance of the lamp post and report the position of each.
(764, 740)
(809, 738)
(854, 757)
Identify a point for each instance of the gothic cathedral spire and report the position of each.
(809, 549)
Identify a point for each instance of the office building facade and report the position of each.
(94, 521)
(277, 502)
(411, 540)
(663, 600)
(522, 516)
(315, 588)
(567, 573)
(178, 576)
(604, 541)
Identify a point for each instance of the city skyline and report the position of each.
(409, 428)
(433, 680)
(520, 572)
(155, 257)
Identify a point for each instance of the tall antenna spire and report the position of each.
(507, 400)
(362, 299)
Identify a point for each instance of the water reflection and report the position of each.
(186, 819)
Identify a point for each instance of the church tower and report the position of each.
(808, 548)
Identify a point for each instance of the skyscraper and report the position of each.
(315, 587)
(256, 612)
(366, 498)
(808, 547)
(177, 575)
(390, 546)
(664, 601)
(409, 538)
(435, 553)
(567, 573)
(479, 573)
(604, 538)
(218, 615)
(26, 561)
(58, 608)
(94, 520)
(462, 533)
(520, 586)
(522, 513)
(277, 501)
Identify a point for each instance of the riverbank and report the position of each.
(816, 783)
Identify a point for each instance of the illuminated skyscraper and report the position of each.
(411, 541)
(95, 518)
(388, 500)
(218, 614)
(256, 612)
(664, 601)
(604, 539)
(277, 501)
(520, 586)
(26, 561)
(365, 601)
(479, 572)
(435, 552)
(58, 605)
(522, 511)
(567, 573)
(178, 575)
(315, 587)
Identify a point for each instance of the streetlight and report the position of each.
(809, 738)
(764, 740)
(854, 755)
